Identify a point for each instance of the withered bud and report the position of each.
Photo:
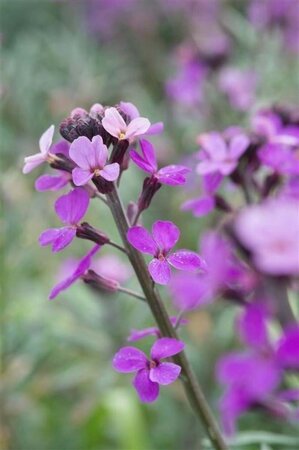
(63, 163)
(132, 210)
(102, 185)
(150, 186)
(100, 283)
(86, 231)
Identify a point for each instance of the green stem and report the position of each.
(192, 388)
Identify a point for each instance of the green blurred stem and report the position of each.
(131, 293)
(191, 385)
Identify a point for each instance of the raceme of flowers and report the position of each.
(247, 180)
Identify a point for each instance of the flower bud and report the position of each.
(150, 186)
(119, 151)
(100, 283)
(86, 231)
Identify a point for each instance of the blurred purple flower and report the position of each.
(33, 161)
(270, 232)
(150, 372)
(70, 208)
(218, 156)
(164, 237)
(173, 175)
(91, 158)
(136, 335)
(117, 127)
(239, 86)
(78, 270)
(190, 291)
(112, 267)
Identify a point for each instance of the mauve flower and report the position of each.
(78, 270)
(136, 335)
(91, 157)
(164, 237)
(172, 175)
(239, 86)
(252, 377)
(150, 372)
(70, 208)
(219, 156)
(117, 127)
(270, 232)
(132, 112)
(112, 267)
(33, 161)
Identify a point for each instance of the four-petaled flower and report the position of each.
(91, 158)
(173, 175)
(164, 237)
(217, 155)
(150, 372)
(70, 208)
(33, 161)
(117, 127)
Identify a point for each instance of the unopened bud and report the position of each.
(86, 231)
(119, 151)
(150, 186)
(100, 283)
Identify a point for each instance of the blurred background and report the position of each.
(194, 64)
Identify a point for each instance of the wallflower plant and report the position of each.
(252, 255)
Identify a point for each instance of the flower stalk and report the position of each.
(192, 387)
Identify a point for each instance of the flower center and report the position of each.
(97, 173)
(161, 257)
(121, 135)
(152, 364)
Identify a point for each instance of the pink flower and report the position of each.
(150, 372)
(91, 158)
(239, 86)
(270, 232)
(33, 161)
(112, 267)
(117, 127)
(52, 182)
(70, 208)
(164, 237)
(218, 156)
(172, 175)
(132, 112)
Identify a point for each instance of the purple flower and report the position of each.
(70, 208)
(164, 237)
(218, 156)
(91, 158)
(33, 161)
(78, 271)
(239, 86)
(136, 335)
(111, 267)
(132, 112)
(150, 373)
(270, 232)
(117, 127)
(173, 175)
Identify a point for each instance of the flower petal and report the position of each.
(165, 347)
(46, 140)
(173, 175)
(101, 151)
(160, 271)
(166, 234)
(147, 161)
(186, 260)
(165, 373)
(83, 153)
(135, 335)
(214, 144)
(147, 390)
(71, 207)
(129, 359)
(199, 206)
(63, 239)
(51, 182)
(238, 145)
(129, 109)
(155, 128)
(110, 172)
(48, 236)
(113, 122)
(288, 349)
(138, 126)
(140, 238)
(81, 176)
(33, 161)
